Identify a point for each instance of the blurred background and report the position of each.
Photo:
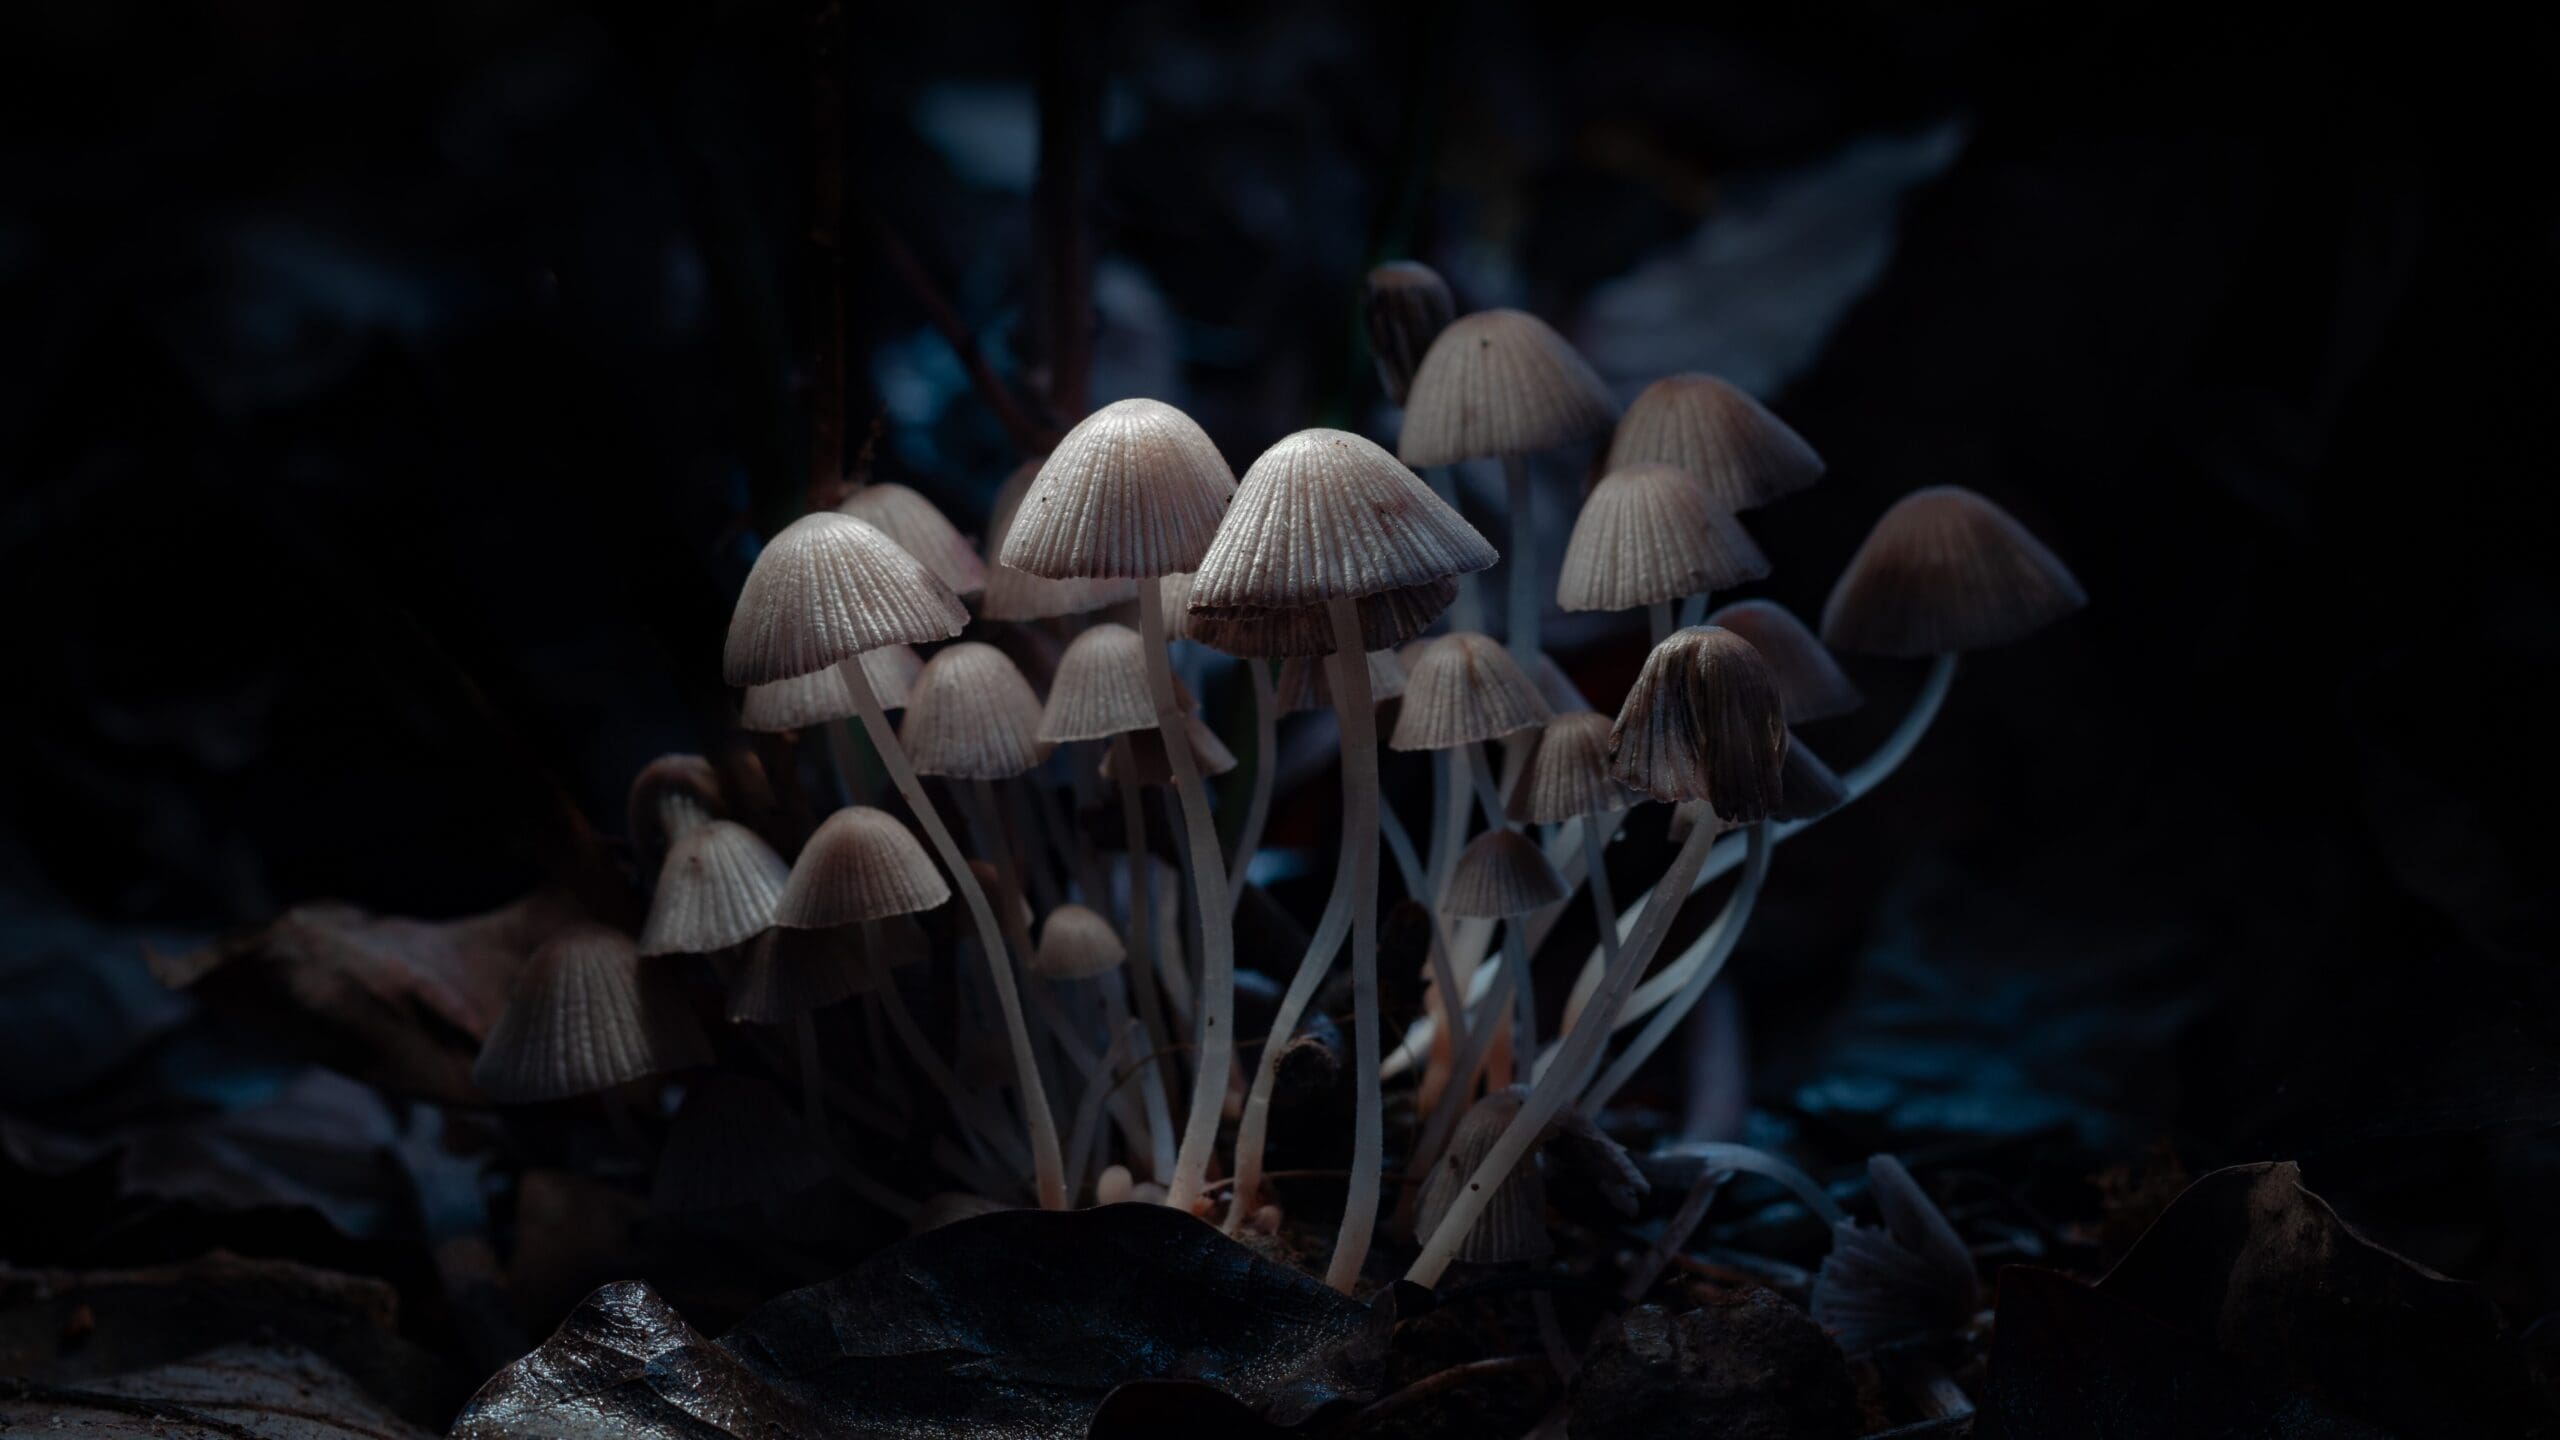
(391, 398)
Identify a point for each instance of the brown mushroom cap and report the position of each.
(1810, 681)
(972, 716)
(1020, 595)
(734, 1142)
(1739, 454)
(1501, 382)
(860, 865)
(1945, 570)
(1101, 687)
(921, 530)
(1327, 515)
(827, 587)
(1135, 491)
(1465, 688)
(1406, 305)
(1513, 1225)
(585, 1016)
(1647, 534)
(717, 888)
(1076, 944)
(1567, 772)
(784, 974)
(1304, 684)
(671, 796)
(1387, 619)
(1704, 722)
(1500, 874)
(820, 696)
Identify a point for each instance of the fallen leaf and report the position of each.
(251, 1391)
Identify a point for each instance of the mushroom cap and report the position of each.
(718, 888)
(1465, 688)
(1306, 685)
(821, 696)
(1135, 491)
(784, 974)
(972, 716)
(1567, 772)
(1387, 619)
(585, 1016)
(1704, 722)
(1810, 680)
(1405, 306)
(734, 1141)
(1807, 788)
(1501, 382)
(1646, 534)
(670, 796)
(860, 865)
(1101, 687)
(1513, 1224)
(1500, 874)
(1173, 592)
(1154, 767)
(1327, 515)
(827, 587)
(1076, 944)
(1946, 570)
(1020, 595)
(922, 530)
(1739, 453)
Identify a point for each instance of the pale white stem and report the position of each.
(1266, 771)
(1359, 720)
(1142, 919)
(1158, 1146)
(1097, 1090)
(1658, 620)
(1595, 870)
(1718, 942)
(1693, 610)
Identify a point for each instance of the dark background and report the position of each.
(389, 397)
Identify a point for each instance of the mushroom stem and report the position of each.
(1523, 562)
(1359, 722)
(1658, 616)
(1604, 907)
(1097, 1091)
(902, 1023)
(1693, 610)
(1253, 1126)
(1048, 1167)
(1721, 937)
(1217, 919)
(1142, 935)
(1266, 770)
(1159, 1115)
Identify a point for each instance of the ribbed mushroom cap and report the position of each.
(1327, 515)
(1704, 722)
(718, 888)
(820, 696)
(1742, 455)
(922, 530)
(860, 865)
(1174, 591)
(1465, 688)
(1810, 681)
(734, 1141)
(1567, 772)
(1305, 685)
(585, 1016)
(1912, 1279)
(1076, 944)
(1502, 873)
(671, 796)
(972, 716)
(1513, 1225)
(1101, 687)
(1406, 305)
(1387, 619)
(1146, 748)
(1501, 382)
(782, 975)
(1946, 570)
(1807, 788)
(827, 587)
(1135, 491)
(1647, 534)
(1020, 595)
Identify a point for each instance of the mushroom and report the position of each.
(1020, 595)
(1303, 685)
(1647, 536)
(1513, 1226)
(1404, 306)
(1565, 776)
(1811, 683)
(718, 888)
(922, 530)
(670, 796)
(1739, 454)
(585, 1016)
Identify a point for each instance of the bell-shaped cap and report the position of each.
(1465, 688)
(1945, 571)
(921, 530)
(1810, 680)
(1076, 944)
(1740, 455)
(1567, 772)
(860, 865)
(1807, 788)
(585, 1016)
(1387, 619)
(1500, 874)
(784, 974)
(1020, 595)
(1405, 305)
(1153, 767)
(1326, 515)
(734, 1141)
(1135, 491)
(1704, 722)
(718, 888)
(1101, 687)
(1501, 382)
(1306, 685)
(670, 797)
(827, 587)
(1913, 1279)
(820, 696)
(1513, 1224)
(1647, 534)
(972, 716)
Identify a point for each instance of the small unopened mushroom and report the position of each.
(718, 888)
(586, 1015)
(1114, 1185)
(1077, 944)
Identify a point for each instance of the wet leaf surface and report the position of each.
(249, 1391)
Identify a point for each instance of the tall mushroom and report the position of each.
(1648, 536)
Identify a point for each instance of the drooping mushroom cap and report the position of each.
(1101, 687)
(1406, 305)
(1944, 571)
(718, 888)
(1154, 767)
(671, 796)
(972, 716)
(1567, 772)
(1076, 944)
(1502, 873)
(1463, 689)
(1135, 491)
(1513, 1224)
(1810, 681)
(1387, 619)
(1305, 685)
(1501, 382)
(1807, 788)
(1739, 453)
(1704, 722)
(585, 1016)
(734, 1142)
(784, 974)
(860, 865)
(922, 531)
(1020, 595)
(827, 587)
(1646, 534)
(821, 696)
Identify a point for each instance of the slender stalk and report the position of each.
(1658, 618)
(1525, 600)
(1351, 704)
(1142, 912)
(1595, 871)
(1159, 1115)
(1722, 936)
(902, 1024)
(1097, 1090)
(1266, 771)
(1253, 1126)
(1049, 1176)
(1693, 610)
(1484, 1026)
